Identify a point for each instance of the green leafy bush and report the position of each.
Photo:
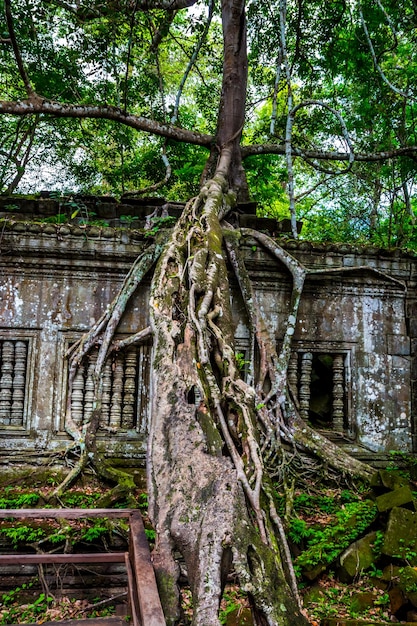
(18, 500)
(21, 533)
(324, 544)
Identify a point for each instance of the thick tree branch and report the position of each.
(322, 155)
(19, 61)
(94, 9)
(192, 61)
(38, 105)
(379, 69)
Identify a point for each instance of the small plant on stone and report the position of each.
(240, 361)
(378, 543)
(22, 534)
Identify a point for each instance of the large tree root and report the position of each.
(209, 491)
(125, 486)
(213, 435)
(102, 333)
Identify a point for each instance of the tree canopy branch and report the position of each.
(323, 155)
(379, 69)
(37, 105)
(94, 10)
(19, 61)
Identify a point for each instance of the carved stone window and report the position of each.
(319, 382)
(125, 390)
(13, 378)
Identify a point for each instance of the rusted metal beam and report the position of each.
(143, 590)
(64, 513)
(97, 557)
(149, 602)
(133, 596)
(91, 621)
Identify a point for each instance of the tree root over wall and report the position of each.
(208, 460)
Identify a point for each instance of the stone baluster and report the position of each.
(19, 375)
(116, 399)
(338, 393)
(293, 373)
(129, 388)
(305, 381)
(106, 395)
(77, 396)
(6, 382)
(143, 386)
(89, 392)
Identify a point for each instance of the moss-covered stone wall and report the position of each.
(63, 260)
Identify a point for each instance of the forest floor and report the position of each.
(315, 511)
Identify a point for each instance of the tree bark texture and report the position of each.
(197, 477)
(212, 434)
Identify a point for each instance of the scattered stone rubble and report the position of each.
(388, 548)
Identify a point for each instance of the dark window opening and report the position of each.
(319, 380)
(321, 390)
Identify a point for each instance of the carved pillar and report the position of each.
(19, 374)
(293, 373)
(143, 389)
(338, 393)
(106, 395)
(116, 404)
(128, 415)
(89, 392)
(77, 397)
(305, 381)
(6, 382)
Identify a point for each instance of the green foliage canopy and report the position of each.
(338, 70)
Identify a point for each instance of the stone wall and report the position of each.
(353, 369)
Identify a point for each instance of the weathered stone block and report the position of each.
(361, 602)
(397, 599)
(107, 210)
(262, 223)
(400, 538)
(395, 498)
(413, 326)
(389, 480)
(359, 556)
(407, 582)
(398, 344)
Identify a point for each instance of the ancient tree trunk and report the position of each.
(212, 434)
(208, 493)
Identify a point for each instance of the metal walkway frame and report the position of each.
(143, 593)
